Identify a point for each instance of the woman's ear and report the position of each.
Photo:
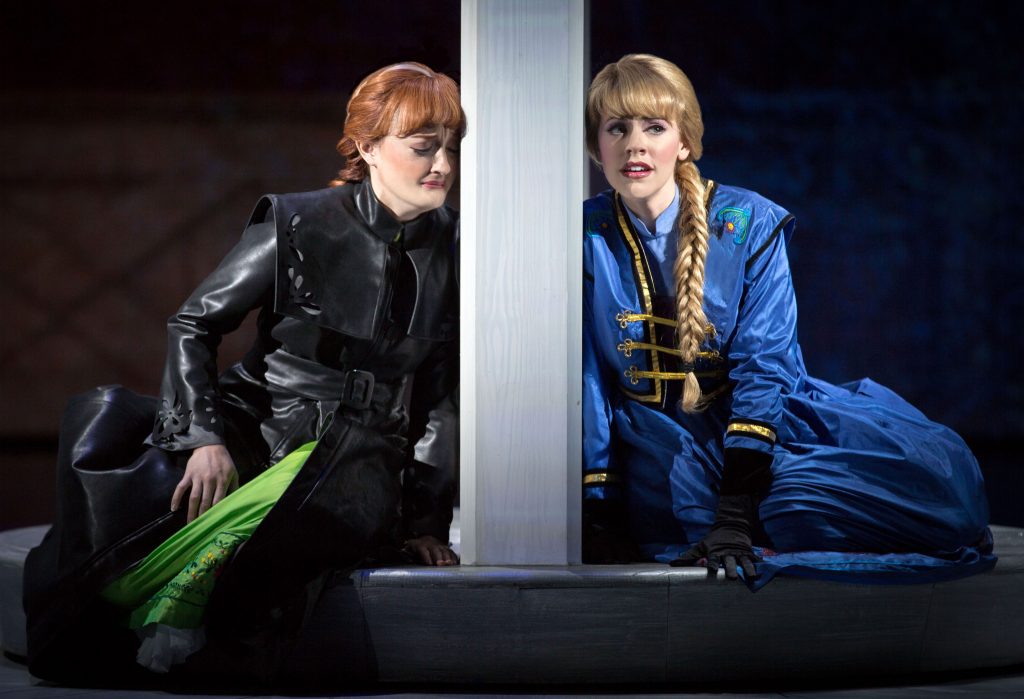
(684, 153)
(368, 152)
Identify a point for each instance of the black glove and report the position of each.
(606, 536)
(745, 477)
(728, 542)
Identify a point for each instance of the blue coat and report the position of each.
(855, 468)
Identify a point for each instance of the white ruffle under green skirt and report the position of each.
(165, 594)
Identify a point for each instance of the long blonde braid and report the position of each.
(691, 253)
(641, 85)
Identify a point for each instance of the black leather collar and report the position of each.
(415, 233)
(336, 260)
(375, 214)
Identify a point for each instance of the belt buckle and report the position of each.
(358, 391)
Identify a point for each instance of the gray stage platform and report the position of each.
(635, 624)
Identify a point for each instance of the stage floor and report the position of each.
(16, 683)
(636, 630)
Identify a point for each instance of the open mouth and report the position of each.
(636, 170)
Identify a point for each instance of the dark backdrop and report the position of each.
(890, 129)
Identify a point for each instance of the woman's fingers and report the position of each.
(445, 557)
(179, 492)
(730, 568)
(432, 552)
(195, 499)
(209, 476)
(209, 490)
(219, 491)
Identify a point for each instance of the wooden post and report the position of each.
(522, 184)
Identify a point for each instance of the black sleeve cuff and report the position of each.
(746, 471)
(604, 515)
(428, 498)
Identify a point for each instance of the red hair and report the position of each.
(399, 99)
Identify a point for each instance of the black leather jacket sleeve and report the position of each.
(189, 414)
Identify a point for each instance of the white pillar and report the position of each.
(522, 184)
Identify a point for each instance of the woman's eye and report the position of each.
(616, 129)
(453, 151)
(656, 129)
(422, 151)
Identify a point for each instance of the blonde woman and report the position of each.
(704, 437)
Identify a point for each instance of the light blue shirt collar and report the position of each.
(662, 224)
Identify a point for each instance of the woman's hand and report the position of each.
(209, 475)
(723, 548)
(746, 475)
(431, 551)
(727, 545)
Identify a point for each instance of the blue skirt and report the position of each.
(858, 472)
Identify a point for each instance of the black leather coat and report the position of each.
(356, 345)
(342, 289)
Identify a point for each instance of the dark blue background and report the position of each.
(892, 130)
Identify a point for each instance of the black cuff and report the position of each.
(604, 515)
(746, 471)
(428, 498)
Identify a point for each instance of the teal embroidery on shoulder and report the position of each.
(735, 222)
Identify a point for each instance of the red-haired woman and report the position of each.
(355, 289)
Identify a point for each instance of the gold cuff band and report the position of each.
(751, 429)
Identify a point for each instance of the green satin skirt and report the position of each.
(172, 585)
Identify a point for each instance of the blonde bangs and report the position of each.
(630, 95)
(420, 105)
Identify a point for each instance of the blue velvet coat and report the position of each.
(856, 469)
